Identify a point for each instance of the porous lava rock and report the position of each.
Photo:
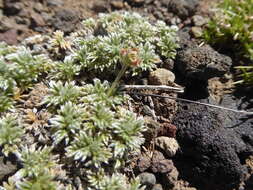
(214, 144)
(202, 63)
(168, 130)
(63, 18)
(182, 8)
(12, 7)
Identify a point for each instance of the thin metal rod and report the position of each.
(194, 102)
(154, 87)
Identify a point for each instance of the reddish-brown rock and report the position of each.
(168, 130)
(10, 37)
(144, 163)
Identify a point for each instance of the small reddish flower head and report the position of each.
(130, 56)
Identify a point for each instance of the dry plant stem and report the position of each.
(116, 81)
(154, 87)
(194, 102)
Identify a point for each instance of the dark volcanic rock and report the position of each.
(136, 2)
(182, 8)
(12, 7)
(65, 20)
(99, 6)
(160, 164)
(37, 20)
(202, 63)
(214, 144)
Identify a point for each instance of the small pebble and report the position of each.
(172, 177)
(199, 20)
(168, 145)
(157, 187)
(168, 130)
(1, 4)
(55, 3)
(144, 163)
(1, 14)
(117, 4)
(196, 31)
(147, 179)
(38, 7)
(162, 166)
(161, 77)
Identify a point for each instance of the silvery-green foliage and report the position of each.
(24, 67)
(128, 133)
(6, 102)
(103, 55)
(100, 121)
(134, 26)
(37, 161)
(98, 92)
(60, 93)
(4, 69)
(119, 182)
(11, 132)
(136, 185)
(167, 41)
(107, 129)
(65, 70)
(147, 55)
(6, 84)
(116, 181)
(6, 87)
(42, 182)
(6, 92)
(102, 117)
(6, 49)
(95, 178)
(120, 30)
(89, 23)
(67, 122)
(9, 185)
(21, 66)
(90, 149)
(98, 133)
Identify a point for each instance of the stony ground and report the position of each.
(188, 146)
